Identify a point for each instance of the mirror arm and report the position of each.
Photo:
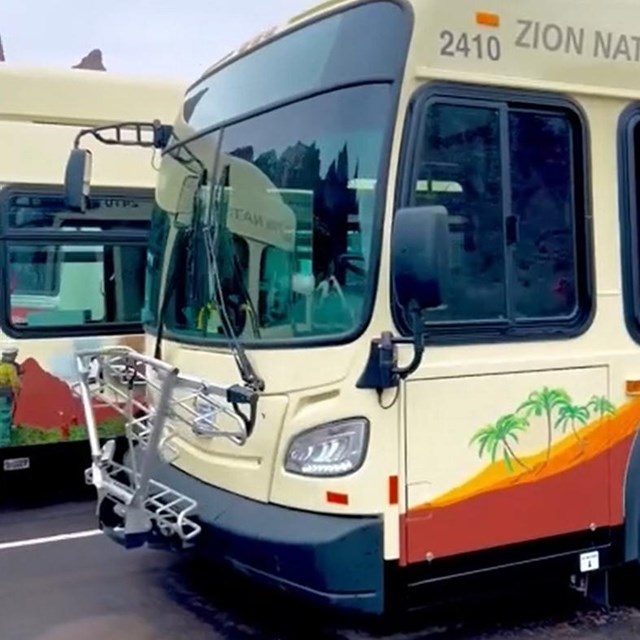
(161, 134)
(381, 371)
(418, 346)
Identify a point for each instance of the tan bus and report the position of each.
(452, 389)
(69, 279)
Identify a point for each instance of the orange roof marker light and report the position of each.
(487, 19)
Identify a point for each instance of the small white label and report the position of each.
(207, 413)
(16, 464)
(589, 561)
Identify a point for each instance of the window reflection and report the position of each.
(58, 286)
(513, 245)
(289, 214)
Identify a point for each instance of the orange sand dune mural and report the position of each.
(571, 486)
(593, 440)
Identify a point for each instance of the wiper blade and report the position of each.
(247, 371)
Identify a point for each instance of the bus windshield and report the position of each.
(268, 195)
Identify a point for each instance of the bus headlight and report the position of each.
(330, 450)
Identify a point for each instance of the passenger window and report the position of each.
(47, 212)
(507, 177)
(630, 206)
(462, 144)
(33, 270)
(70, 272)
(542, 203)
(80, 285)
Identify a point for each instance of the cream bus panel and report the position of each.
(486, 450)
(83, 98)
(583, 47)
(246, 470)
(39, 154)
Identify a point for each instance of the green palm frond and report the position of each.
(601, 405)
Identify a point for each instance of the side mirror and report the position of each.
(420, 257)
(77, 179)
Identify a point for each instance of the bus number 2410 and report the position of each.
(464, 45)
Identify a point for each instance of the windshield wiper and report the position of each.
(248, 373)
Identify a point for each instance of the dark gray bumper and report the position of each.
(330, 560)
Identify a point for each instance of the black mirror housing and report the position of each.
(420, 257)
(77, 179)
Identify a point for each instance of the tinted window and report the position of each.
(324, 54)
(630, 232)
(34, 270)
(93, 284)
(48, 212)
(542, 203)
(463, 143)
(511, 180)
(159, 228)
(74, 271)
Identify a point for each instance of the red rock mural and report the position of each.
(48, 402)
(42, 409)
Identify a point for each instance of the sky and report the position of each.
(171, 39)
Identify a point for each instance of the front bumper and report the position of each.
(329, 560)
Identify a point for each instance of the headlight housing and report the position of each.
(330, 450)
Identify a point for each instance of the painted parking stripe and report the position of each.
(16, 544)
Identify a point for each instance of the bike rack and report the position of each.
(158, 404)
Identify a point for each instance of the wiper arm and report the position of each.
(247, 371)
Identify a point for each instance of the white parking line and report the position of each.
(59, 538)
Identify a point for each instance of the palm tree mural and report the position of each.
(559, 411)
(570, 414)
(601, 406)
(543, 403)
(497, 436)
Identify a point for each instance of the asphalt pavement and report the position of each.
(84, 587)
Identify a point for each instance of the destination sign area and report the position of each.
(586, 43)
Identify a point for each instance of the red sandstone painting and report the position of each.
(47, 410)
(38, 407)
(520, 498)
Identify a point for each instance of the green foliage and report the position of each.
(24, 435)
(601, 406)
(570, 414)
(554, 405)
(500, 436)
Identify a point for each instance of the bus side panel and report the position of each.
(39, 407)
(514, 488)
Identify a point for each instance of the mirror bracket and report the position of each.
(418, 345)
(160, 134)
(77, 179)
(381, 371)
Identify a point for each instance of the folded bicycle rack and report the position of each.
(157, 404)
